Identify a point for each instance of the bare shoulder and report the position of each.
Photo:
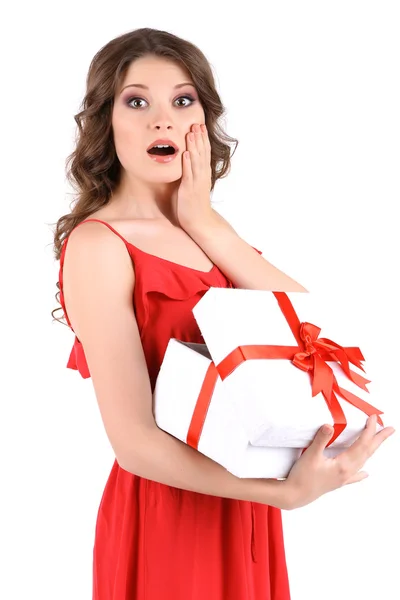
(93, 235)
(94, 246)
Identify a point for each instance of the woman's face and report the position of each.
(165, 109)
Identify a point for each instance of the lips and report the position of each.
(163, 142)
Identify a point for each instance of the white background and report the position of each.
(312, 93)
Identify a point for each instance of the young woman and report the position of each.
(139, 249)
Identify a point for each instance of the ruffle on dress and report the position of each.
(77, 359)
(176, 284)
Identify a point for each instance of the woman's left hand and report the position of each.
(192, 199)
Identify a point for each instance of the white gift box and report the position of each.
(223, 437)
(262, 414)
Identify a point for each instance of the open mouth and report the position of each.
(162, 150)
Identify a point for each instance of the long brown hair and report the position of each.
(93, 168)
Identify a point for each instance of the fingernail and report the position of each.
(327, 429)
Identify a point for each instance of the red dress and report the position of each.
(156, 542)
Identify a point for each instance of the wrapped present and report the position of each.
(264, 382)
(190, 403)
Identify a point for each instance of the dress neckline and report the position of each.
(171, 262)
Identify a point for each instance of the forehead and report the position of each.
(154, 70)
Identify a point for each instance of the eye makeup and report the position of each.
(131, 97)
(128, 99)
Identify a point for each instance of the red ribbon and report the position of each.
(202, 405)
(311, 355)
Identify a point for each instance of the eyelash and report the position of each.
(187, 96)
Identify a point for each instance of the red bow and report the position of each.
(317, 351)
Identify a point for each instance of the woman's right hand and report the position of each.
(313, 475)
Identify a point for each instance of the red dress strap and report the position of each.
(109, 227)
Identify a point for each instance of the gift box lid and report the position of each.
(230, 317)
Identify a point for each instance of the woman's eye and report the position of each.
(131, 101)
(187, 98)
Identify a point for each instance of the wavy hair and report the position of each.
(93, 168)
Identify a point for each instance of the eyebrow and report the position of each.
(144, 87)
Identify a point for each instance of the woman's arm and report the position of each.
(236, 258)
(158, 456)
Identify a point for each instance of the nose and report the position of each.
(161, 119)
(161, 124)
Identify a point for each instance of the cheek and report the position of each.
(200, 114)
(127, 144)
(196, 116)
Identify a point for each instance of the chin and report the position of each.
(165, 179)
(166, 173)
